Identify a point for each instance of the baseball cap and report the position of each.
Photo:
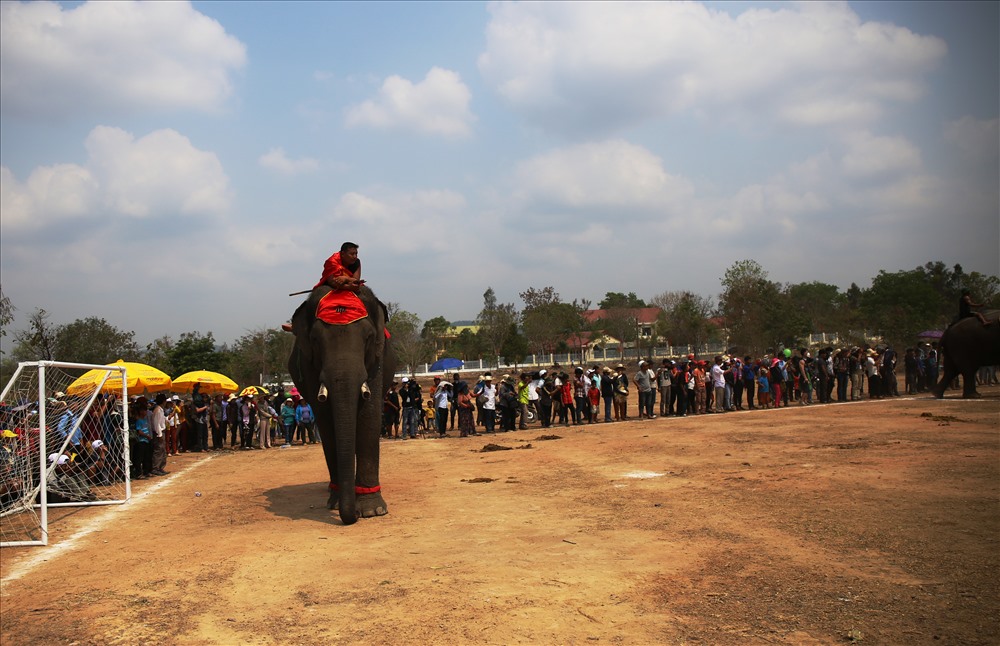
(405, 379)
(9, 433)
(96, 444)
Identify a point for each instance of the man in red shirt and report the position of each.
(342, 270)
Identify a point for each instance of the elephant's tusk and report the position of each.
(322, 395)
(366, 392)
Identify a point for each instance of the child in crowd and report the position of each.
(764, 389)
(429, 420)
(594, 399)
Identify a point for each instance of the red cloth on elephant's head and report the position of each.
(340, 307)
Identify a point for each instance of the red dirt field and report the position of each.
(874, 522)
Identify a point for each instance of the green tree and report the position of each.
(515, 346)
(535, 298)
(411, 350)
(546, 321)
(157, 354)
(621, 323)
(38, 342)
(434, 331)
(94, 340)
(751, 307)
(6, 313)
(685, 318)
(495, 322)
(194, 351)
(900, 305)
(820, 303)
(7, 363)
(617, 300)
(260, 355)
(467, 345)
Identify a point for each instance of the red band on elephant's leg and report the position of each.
(359, 490)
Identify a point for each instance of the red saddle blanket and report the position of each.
(340, 307)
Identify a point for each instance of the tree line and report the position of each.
(751, 314)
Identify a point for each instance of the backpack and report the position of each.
(306, 415)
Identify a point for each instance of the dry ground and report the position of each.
(863, 522)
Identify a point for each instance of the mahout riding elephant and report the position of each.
(966, 346)
(343, 370)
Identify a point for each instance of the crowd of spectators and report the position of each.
(676, 387)
(89, 447)
(199, 423)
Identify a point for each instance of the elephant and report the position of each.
(966, 346)
(342, 370)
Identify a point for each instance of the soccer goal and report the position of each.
(64, 443)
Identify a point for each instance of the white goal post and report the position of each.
(65, 443)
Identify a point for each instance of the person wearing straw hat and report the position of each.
(489, 411)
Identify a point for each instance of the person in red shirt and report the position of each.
(342, 270)
(567, 400)
(594, 396)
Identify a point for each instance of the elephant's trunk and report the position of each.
(346, 470)
(344, 403)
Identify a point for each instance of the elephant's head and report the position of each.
(339, 369)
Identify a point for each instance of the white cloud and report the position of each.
(122, 56)
(438, 105)
(608, 174)
(869, 156)
(159, 174)
(55, 192)
(581, 66)
(406, 222)
(276, 160)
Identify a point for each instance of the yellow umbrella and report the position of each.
(211, 382)
(256, 391)
(140, 377)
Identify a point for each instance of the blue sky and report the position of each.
(177, 167)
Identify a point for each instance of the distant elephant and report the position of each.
(343, 370)
(966, 346)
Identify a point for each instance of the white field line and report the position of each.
(47, 553)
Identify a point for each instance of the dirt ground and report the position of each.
(874, 523)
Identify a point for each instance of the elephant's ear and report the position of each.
(302, 322)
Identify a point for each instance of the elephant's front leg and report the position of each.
(370, 502)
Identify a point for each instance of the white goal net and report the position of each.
(64, 443)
